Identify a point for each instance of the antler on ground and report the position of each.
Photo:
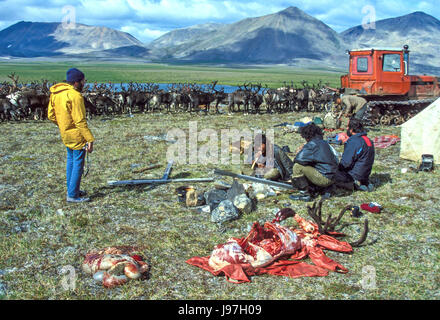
(315, 212)
(363, 236)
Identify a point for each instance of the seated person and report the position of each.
(316, 163)
(357, 160)
(282, 164)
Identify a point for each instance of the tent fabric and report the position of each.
(421, 134)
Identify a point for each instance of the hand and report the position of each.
(261, 165)
(258, 154)
(299, 148)
(89, 147)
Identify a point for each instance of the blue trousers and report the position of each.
(74, 171)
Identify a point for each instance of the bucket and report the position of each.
(182, 191)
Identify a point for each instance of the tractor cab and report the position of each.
(382, 72)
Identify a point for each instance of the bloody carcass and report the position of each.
(278, 250)
(114, 266)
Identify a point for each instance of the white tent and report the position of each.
(421, 134)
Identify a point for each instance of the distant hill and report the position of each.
(180, 36)
(418, 30)
(289, 37)
(37, 39)
(284, 37)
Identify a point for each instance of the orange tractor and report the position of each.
(381, 76)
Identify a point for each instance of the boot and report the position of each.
(328, 192)
(363, 186)
(346, 185)
(302, 196)
(300, 183)
(314, 190)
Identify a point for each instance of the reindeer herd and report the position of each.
(30, 101)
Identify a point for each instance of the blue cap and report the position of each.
(74, 75)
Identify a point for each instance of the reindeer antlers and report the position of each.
(14, 79)
(315, 212)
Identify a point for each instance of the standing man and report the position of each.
(66, 109)
(357, 160)
(316, 164)
(352, 106)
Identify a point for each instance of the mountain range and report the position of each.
(289, 37)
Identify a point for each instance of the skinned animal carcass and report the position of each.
(261, 247)
(115, 266)
(277, 250)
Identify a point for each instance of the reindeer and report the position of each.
(256, 99)
(219, 97)
(238, 98)
(325, 98)
(302, 97)
(102, 102)
(275, 100)
(136, 96)
(180, 99)
(207, 97)
(161, 97)
(7, 110)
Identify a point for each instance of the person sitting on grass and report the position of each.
(357, 160)
(316, 163)
(280, 168)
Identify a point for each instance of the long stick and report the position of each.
(255, 162)
(154, 166)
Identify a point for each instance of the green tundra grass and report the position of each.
(40, 233)
(157, 73)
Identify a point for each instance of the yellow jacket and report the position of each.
(66, 109)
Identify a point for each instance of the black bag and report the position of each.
(427, 163)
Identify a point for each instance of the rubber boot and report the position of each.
(324, 192)
(346, 185)
(300, 183)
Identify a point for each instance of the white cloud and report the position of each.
(148, 18)
(142, 33)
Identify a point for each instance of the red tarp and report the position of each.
(312, 245)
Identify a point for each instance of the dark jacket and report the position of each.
(358, 157)
(318, 154)
(282, 162)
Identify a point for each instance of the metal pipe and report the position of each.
(156, 181)
(254, 179)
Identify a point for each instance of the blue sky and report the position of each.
(149, 19)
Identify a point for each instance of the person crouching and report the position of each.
(357, 160)
(315, 165)
(279, 169)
